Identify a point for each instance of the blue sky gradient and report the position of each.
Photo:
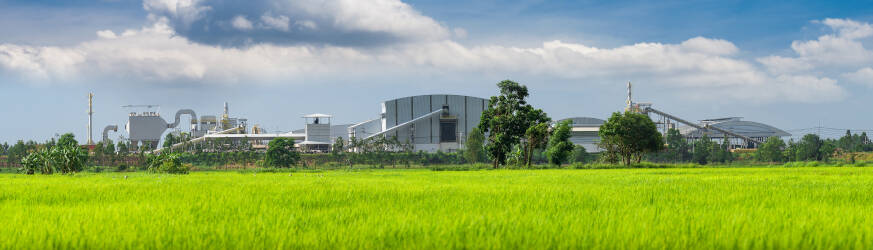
(38, 108)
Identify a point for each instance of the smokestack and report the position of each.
(90, 114)
(629, 97)
(226, 114)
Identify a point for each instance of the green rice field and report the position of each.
(706, 208)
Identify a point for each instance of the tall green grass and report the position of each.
(698, 208)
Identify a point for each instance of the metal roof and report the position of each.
(745, 128)
(316, 115)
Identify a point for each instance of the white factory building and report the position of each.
(430, 123)
(584, 132)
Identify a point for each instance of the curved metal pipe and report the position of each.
(114, 128)
(179, 116)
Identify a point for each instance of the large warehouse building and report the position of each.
(429, 122)
(755, 130)
(584, 132)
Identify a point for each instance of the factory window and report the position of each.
(448, 131)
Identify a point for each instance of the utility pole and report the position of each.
(90, 114)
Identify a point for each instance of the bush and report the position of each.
(122, 168)
(168, 163)
(62, 158)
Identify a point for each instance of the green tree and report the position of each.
(790, 152)
(560, 146)
(771, 150)
(702, 150)
(727, 156)
(506, 119)
(108, 147)
(677, 146)
(281, 153)
(122, 148)
(720, 153)
(827, 149)
(169, 140)
(630, 136)
(338, 146)
(68, 139)
(808, 148)
(474, 148)
(580, 155)
(536, 137)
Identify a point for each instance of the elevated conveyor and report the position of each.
(701, 127)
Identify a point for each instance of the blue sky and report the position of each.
(791, 64)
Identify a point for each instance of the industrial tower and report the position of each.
(90, 114)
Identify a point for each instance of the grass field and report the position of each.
(727, 208)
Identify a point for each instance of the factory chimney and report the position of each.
(90, 114)
(630, 102)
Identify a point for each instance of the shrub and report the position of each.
(166, 163)
(62, 158)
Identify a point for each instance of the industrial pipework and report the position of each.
(114, 128)
(179, 116)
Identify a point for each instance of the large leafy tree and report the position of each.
(808, 148)
(506, 119)
(281, 153)
(771, 150)
(580, 155)
(560, 146)
(474, 147)
(536, 137)
(629, 136)
(677, 146)
(702, 150)
(68, 139)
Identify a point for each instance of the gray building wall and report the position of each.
(425, 134)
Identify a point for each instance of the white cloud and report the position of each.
(241, 23)
(709, 46)
(698, 66)
(108, 34)
(279, 22)
(782, 65)
(862, 76)
(843, 48)
(307, 24)
(154, 54)
(337, 22)
(40, 63)
(849, 28)
(186, 11)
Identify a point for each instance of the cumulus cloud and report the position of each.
(281, 23)
(241, 23)
(168, 52)
(842, 48)
(336, 22)
(862, 76)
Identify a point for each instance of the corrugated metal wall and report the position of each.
(468, 111)
(437, 102)
(420, 107)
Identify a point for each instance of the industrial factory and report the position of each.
(428, 123)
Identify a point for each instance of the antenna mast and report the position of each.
(90, 114)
